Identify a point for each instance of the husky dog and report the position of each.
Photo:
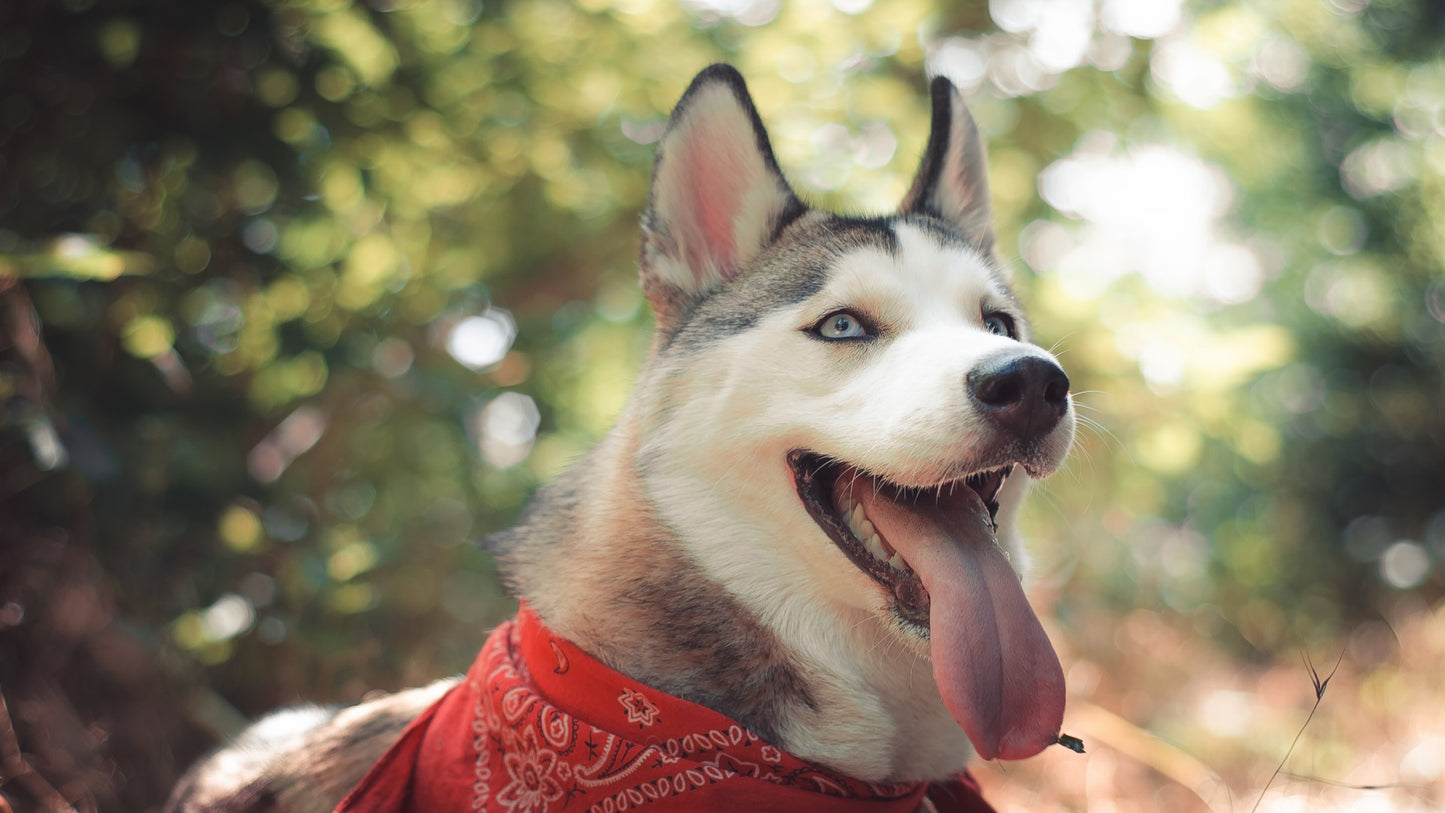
(803, 518)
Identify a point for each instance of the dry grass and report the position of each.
(1173, 723)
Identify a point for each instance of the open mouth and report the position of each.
(859, 511)
(936, 552)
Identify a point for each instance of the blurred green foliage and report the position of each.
(277, 275)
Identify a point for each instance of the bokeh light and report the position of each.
(302, 300)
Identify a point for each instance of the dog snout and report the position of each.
(1024, 394)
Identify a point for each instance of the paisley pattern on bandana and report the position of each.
(540, 726)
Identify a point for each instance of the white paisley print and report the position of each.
(553, 760)
(539, 726)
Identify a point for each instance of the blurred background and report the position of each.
(301, 299)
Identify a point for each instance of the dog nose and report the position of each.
(1025, 394)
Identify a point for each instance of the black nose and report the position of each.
(1025, 394)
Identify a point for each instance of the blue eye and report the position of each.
(999, 324)
(841, 325)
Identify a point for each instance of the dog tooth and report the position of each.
(897, 563)
(857, 519)
(875, 546)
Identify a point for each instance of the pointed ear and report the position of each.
(952, 182)
(717, 196)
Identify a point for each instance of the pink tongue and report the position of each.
(997, 672)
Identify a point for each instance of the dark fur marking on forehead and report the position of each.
(851, 233)
(796, 267)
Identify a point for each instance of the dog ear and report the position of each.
(952, 181)
(717, 196)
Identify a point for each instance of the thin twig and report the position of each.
(1349, 786)
(1319, 698)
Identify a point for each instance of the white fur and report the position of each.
(898, 406)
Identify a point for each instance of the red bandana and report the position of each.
(538, 725)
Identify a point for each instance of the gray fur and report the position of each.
(649, 612)
(300, 760)
(591, 553)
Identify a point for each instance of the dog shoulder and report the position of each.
(300, 760)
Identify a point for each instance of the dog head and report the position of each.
(841, 413)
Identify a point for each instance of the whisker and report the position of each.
(1099, 430)
(1054, 348)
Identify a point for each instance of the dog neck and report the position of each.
(603, 571)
